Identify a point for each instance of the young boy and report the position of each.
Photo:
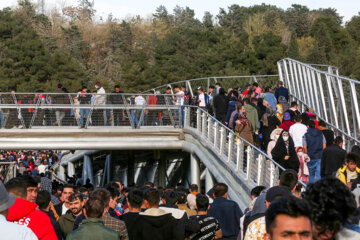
(209, 226)
(350, 171)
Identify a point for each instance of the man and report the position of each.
(202, 99)
(63, 207)
(85, 99)
(152, 114)
(31, 188)
(179, 101)
(287, 123)
(294, 110)
(252, 115)
(270, 98)
(314, 142)
(332, 205)
(42, 168)
(350, 172)
(99, 115)
(328, 133)
(59, 98)
(24, 212)
(211, 100)
(135, 200)
(191, 197)
(209, 226)
(333, 158)
(155, 223)
(93, 227)
(43, 201)
(139, 102)
(297, 131)
(116, 98)
(257, 228)
(35, 171)
(67, 220)
(281, 91)
(221, 105)
(9, 230)
(288, 218)
(227, 212)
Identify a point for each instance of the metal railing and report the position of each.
(244, 158)
(334, 98)
(29, 110)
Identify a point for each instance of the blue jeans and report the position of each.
(2, 119)
(314, 170)
(84, 112)
(137, 118)
(177, 116)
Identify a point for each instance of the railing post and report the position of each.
(198, 119)
(216, 134)
(194, 170)
(203, 125)
(274, 174)
(222, 140)
(261, 170)
(209, 181)
(231, 147)
(239, 155)
(186, 117)
(210, 129)
(250, 160)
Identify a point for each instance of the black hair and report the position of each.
(202, 202)
(218, 84)
(212, 87)
(17, 186)
(254, 99)
(255, 84)
(222, 91)
(117, 86)
(149, 184)
(256, 191)
(67, 186)
(194, 187)
(59, 85)
(220, 189)
(152, 195)
(103, 194)
(293, 104)
(331, 202)
(73, 197)
(247, 100)
(43, 199)
(171, 197)
(298, 118)
(236, 93)
(94, 207)
(338, 140)
(322, 123)
(352, 157)
(288, 179)
(290, 206)
(29, 181)
(312, 124)
(113, 190)
(135, 198)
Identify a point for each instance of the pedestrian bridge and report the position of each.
(52, 121)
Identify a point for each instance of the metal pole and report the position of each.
(195, 170)
(209, 181)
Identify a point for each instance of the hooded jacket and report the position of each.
(24, 213)
(280, 151)
(252, 115)
(66, 222)
(156, 224)
(314, 140)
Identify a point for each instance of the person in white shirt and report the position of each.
(100, 99)
(9, 230)
(202, 98)
(297, 131)
(179, 101)
(139, 101)
(42, 168)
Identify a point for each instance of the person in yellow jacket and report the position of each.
(349, 172)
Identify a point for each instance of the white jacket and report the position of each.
(100, 97)
(13, 231)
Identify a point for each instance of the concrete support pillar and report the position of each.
(107, 170)
(209, 180)
(151, 173)
(87, 170)
(162, 172)
(131, 168)
(70, 169)
(195, 170)
(62, 173)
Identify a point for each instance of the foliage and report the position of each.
(38, 51)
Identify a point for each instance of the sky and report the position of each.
(122, 9)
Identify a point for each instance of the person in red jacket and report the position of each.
(25, 213)
(287, 123)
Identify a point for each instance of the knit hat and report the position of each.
(6, 199)
(287, 116)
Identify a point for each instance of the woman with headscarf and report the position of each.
(279, 112)
(269, 122)
(243, 127)
(284, 152)
(274, 136)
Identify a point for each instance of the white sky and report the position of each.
(124, 8)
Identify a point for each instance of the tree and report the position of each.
(293, 49)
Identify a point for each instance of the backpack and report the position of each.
(284, 103)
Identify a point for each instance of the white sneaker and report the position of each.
(20, 126)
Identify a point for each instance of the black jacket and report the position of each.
(279, 152)
(332, 159)
(156, 224)
(220, 104)
(55, 224)
(58, 209)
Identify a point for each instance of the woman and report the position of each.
(279, 112)
(274, 136)
(243, 127)
(284, 152)
(269, 123)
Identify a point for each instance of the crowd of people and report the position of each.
(38, 208)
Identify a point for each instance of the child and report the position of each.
(209, 226)
(350, 172)
(304, 170)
